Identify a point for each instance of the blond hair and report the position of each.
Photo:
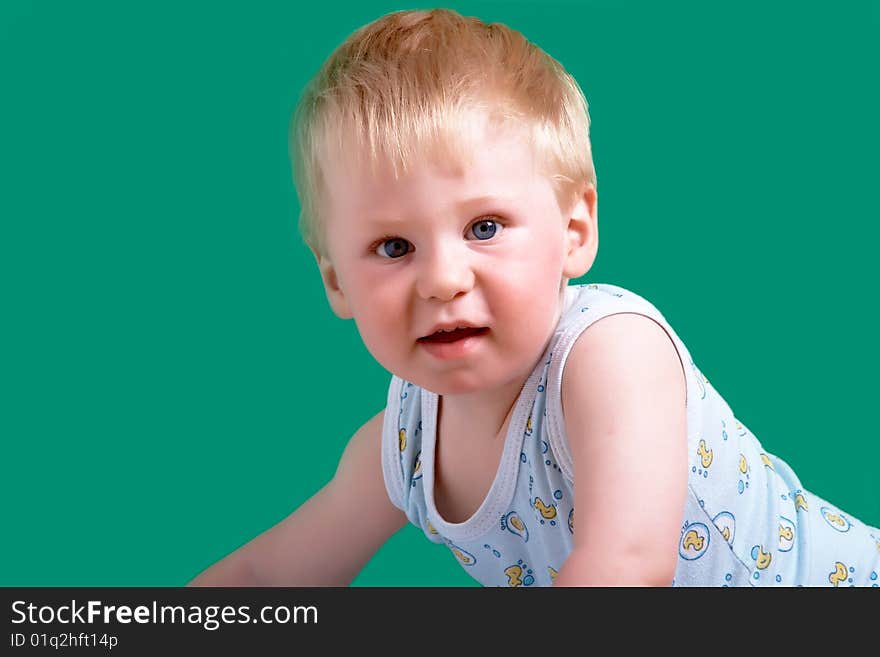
(407, 85)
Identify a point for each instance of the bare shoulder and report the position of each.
(619, 352)
(360, 467)
(624, 376)
(359, 481)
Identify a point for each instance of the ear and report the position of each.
(335, 295)
(582, 234)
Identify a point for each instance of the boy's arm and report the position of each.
(623, 394)
(327, 540)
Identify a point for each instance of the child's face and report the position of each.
(486, 247)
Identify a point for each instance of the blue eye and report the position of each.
(485, 229)
(395, 247)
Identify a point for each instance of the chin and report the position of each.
(462, 383)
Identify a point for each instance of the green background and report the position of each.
(168, 359)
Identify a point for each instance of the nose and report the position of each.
(445, 272)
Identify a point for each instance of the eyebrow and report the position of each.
(461, 206)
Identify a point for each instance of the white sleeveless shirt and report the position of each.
(747, 520)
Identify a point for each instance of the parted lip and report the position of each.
(449, 326)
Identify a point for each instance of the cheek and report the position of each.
(535, 265)
(379, 310)
(371, 292)
(527, 289)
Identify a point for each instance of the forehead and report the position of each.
(492, 161)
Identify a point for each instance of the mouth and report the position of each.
(453, 335)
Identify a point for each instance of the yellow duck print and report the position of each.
(839, 575)
(462, 556)
(401, 439)
(800, 502)
(514, 576)
(548, 512)
(726, 524)
(766, 460)
(786, 534)
(835, 520)
(514, 524)
(553, 573)
(705, 454)
(743, 464)
(693, 539)
(762, 559)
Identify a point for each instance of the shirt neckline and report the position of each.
(503, 486)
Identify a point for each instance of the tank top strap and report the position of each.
(401, 441)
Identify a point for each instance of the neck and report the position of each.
(483, 412)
